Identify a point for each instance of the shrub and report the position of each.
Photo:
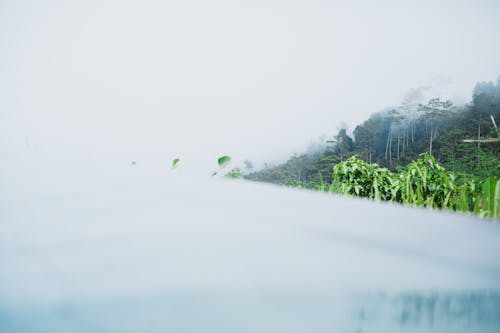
(356, 177)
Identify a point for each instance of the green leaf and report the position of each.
(224, 161)
(496, 204)
(175, 162)
(491, 196)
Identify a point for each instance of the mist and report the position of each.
(99, 233)
(142, 250)
(110, 82)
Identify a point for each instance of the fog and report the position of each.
(108, 82)
(140, 250)
(92, 242)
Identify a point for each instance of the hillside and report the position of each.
(397, 135)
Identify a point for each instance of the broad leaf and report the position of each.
(175, 162)
(224, 161)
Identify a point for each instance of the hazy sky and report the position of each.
(151, 80)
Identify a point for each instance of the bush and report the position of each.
(356, 177)
(425, 183)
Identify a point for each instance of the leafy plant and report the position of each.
(426, 183)
(490, 200)
(355, 177)
(421, 183)
(175, 163)
(234, 173)
(223, 162)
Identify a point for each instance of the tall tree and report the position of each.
(434, 112)
(345, 145)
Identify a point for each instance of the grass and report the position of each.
(422, 183)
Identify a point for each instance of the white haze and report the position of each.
(137, 249)
(91, 243)
(108, 82)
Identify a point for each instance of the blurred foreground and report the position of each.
(139, 249)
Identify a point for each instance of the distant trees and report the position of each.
(364, 138)
(397, 135)
(344, 146)
(248, 165)
(433, 113)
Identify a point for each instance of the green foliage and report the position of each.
(306, 185)
(234, 173)
(423, 182)
(466, 196)
(355, 177)
(175, 162)
(223, 161)
(398, 135)
(446, 177)
(466, 157)
(490, 200)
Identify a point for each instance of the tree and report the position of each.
(433, 112)
(345, 144)
(248, 165)
(364, 138)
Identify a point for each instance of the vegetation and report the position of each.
(422, 183)
(423, 152)
(175, 162)
(431, 154)
(223, 162)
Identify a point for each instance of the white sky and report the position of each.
(115, 81)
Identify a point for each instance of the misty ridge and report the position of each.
(423, 122)
(424, 152)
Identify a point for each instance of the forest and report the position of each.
(387, 156)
